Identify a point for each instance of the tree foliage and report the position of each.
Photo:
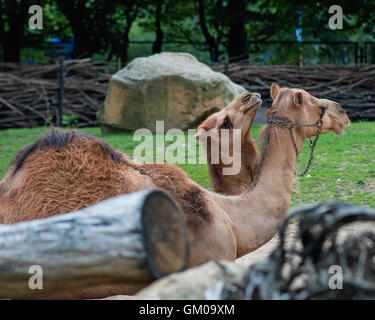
(224, 28)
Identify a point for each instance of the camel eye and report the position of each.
(226, 123)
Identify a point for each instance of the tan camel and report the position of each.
(67, 171)
(231, 118)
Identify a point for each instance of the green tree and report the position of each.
(212, 23)
(13, 22)
(158, 44)
(86, 19)
(133, 8)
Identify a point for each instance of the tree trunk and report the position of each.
(124, 51)
(236, 46)
(124, 48)
(158, 44)
(211, 41)
(82, 46)
(11, 50)
(214, 53)
(77, 14)
(131, 14)
(131, 239)
(12, 36)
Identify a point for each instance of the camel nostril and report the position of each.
(255, 99)
(257, 95)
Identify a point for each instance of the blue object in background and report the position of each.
(57, 48)
(299, 29)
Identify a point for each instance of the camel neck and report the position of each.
(235, 184)
(256, 213)
(274, 176)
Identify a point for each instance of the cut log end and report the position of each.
(126, 240)
(165, 235)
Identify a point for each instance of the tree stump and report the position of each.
(132, 238)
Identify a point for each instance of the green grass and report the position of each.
(344, 166)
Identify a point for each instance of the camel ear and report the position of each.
(199, 133)
(298, 100)
(275, 88)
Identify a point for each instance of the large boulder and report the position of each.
(174, 87)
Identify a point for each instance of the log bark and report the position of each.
(127, 239)
(311, 240)
(198, 283)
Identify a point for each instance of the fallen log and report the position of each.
(330, 255)
(127, 239)
(198, 283)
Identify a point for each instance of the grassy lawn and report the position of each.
(344, 166)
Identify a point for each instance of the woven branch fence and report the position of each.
(351, 86)
(29, 95)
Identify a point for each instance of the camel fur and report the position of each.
(60, 177)
(231, 117)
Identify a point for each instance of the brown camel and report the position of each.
(231, 118)
(65, 171)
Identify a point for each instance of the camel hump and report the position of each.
(56, 139)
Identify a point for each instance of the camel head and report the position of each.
(238, 114)
(301, 107)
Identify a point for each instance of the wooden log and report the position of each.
(195, 283)
(132, 238)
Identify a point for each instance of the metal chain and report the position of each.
(290, 125)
